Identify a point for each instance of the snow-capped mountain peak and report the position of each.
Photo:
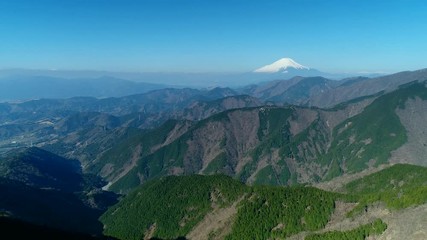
(281, 65)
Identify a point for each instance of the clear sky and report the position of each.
(213, 35)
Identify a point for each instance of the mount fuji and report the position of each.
(286, 68)
(281, 65)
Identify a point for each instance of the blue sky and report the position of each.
(213, 35)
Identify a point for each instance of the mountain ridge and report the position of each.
(264, 212)
(283, 145)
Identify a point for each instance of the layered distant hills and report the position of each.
(208, 163)
(24, 84)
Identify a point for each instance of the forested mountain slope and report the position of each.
(218, 207)
(283, 145)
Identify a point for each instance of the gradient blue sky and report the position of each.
(213, 35)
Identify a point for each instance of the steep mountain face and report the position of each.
(123, 156)
(192, 151)
(412, 115)
(254, 144)
(281, 146)
(357, 140)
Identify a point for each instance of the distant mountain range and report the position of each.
(22, 84)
